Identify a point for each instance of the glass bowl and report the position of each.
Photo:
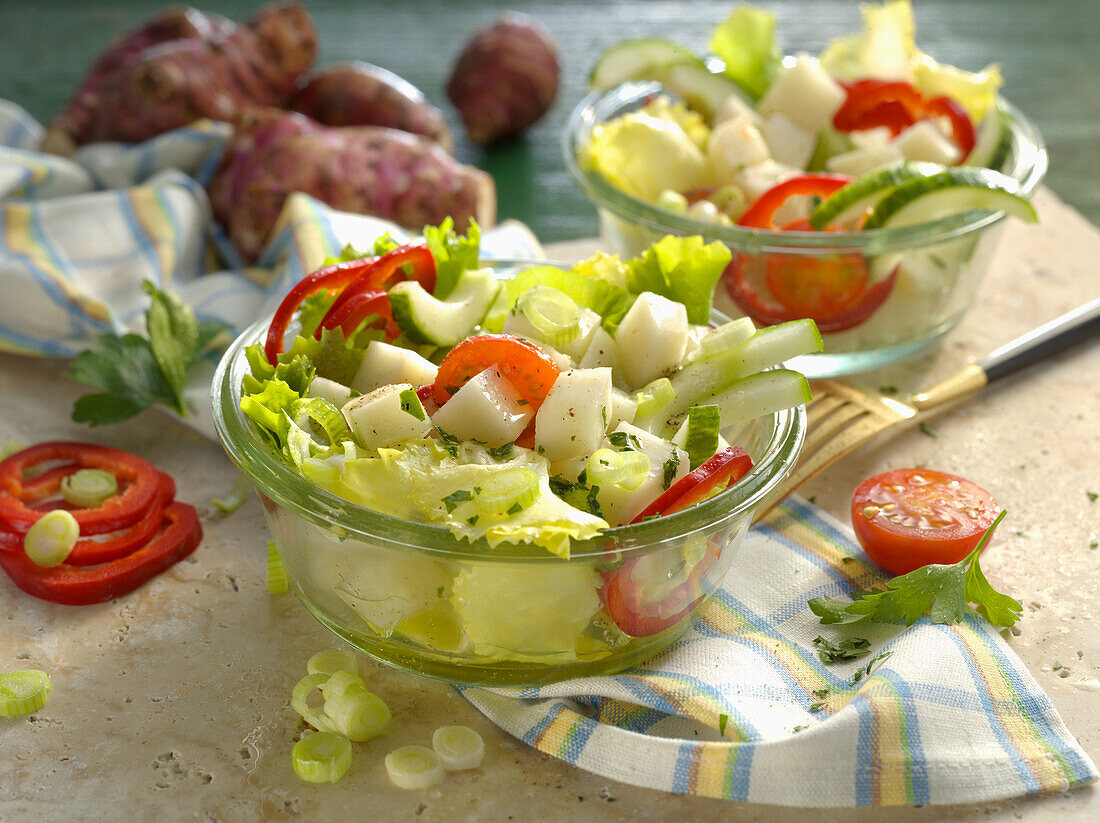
(939, 264)
(414, 596)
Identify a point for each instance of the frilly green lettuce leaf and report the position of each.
(883, 49)
(746, 44)
(685, 269)
(453, 253)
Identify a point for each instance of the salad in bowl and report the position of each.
(863, 188)
(511, 473)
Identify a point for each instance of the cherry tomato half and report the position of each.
(908, 518)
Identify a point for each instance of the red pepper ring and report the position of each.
(331, 277)
(385, 269)
(962, 127)
(138, 480)
(761, 212)
(81, 585)
(45, 484)
(726, 467)
(356, 310)
(88, 552)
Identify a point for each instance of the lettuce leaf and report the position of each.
(453, 253)
(584, 283)
(883, 49)
(685, 269)
(746, 44)
(974, 91)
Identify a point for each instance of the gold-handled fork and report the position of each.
(842, 417)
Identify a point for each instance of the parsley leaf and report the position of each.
(723, 719)
(942, 592)
(670, 467)
(847, 649)
(452, 500)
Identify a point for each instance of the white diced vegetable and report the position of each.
(384, 364)
(486, 409)
(805, 93)
(733, 106)
(755, 180)
(336, 393)
(871, 138)
(789, 144)
(623, 408)
(651, 338)
(733, 146)
(574, 416)
(601, 351)
(859, 162)
(386, 416)
(666, 462)
(924, 141)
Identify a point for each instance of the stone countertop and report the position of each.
(172, 703)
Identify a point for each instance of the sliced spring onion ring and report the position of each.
(727, 336)
(653, 397)
(507, 492)
(703, 423)
(234, 500)
(299, 701)
(324, 414)
(414, 767)
(49, 541)
(23, 692)
(553, 313)
(332, 661)
(338, 683)
(458, 747)
(322, 757)
(88, 488)
(357, 713)
(607, 467)
(277, 580)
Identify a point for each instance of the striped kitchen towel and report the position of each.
(742, 708)
(78, 236)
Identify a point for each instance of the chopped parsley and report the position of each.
(723, 719)
(848, 649)
(439, 592)
(888, 389)
(671, 465)
(514, 509)
(624, 441)
(865, 671)
(799, 728)
(473, 520)
(452, 500)
(926, 429)
(500, 452)
(1092, 496)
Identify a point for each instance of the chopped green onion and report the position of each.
(235, 499)
(23, 692)
(351, 450)
(88, 488)
(410, 404)
(673, 201)
(458, 747)
(300, 445)
(414, 767)
(727, 336)
(553, 313)
(49, 541)
(277, 580)
(502, 491)
(338, 683)
(653, 397)
(10, 446)
(702, 434)
(322, 757)
(331, 661)
(299, 701)
(730, 200)
(357, 713)
(607, 467)
(324, 414)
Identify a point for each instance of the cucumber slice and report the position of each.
(701, 88)
(994, 141)
(848, 203)
(635, 60)
(443, 322)
(757, 395)
(951, 191)
(701, 436)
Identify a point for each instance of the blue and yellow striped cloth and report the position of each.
(951, 716)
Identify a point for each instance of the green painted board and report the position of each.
(1047, 49)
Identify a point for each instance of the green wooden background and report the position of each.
(1048, 50)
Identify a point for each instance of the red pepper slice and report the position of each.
(761, 212)
(89, 552)
(726, 467)
(383, 271)
(82, 585)
(897, 105)
(359, 308)
(528, 368)
(768, 312)
(138, 480)
(329, 278)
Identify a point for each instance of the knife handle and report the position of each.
(1049, 339)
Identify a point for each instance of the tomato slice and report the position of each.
(723, 469)
(908, 518)
(330, 278)
(624, 597)
(527, 367)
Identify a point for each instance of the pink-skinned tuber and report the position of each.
(360, 94)
(216, 74)
(505, 78)
(403, 177)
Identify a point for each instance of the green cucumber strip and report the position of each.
(951, 191)
(727, 336)
(634, 60)
(846, 204)
(701, 89)
(426, 319)
(703, 423)
(755, 396)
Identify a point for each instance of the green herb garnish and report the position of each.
(723, 719)
(671, 465)
(847, 649)
(452, 500)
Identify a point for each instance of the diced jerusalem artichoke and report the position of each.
(381, 419)
(574, 416)
(924, 141)
(789, 144)
(486, 409)
(651, 338)
(805, 93)
(734, 145)
(623, 505)
(383, 364)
